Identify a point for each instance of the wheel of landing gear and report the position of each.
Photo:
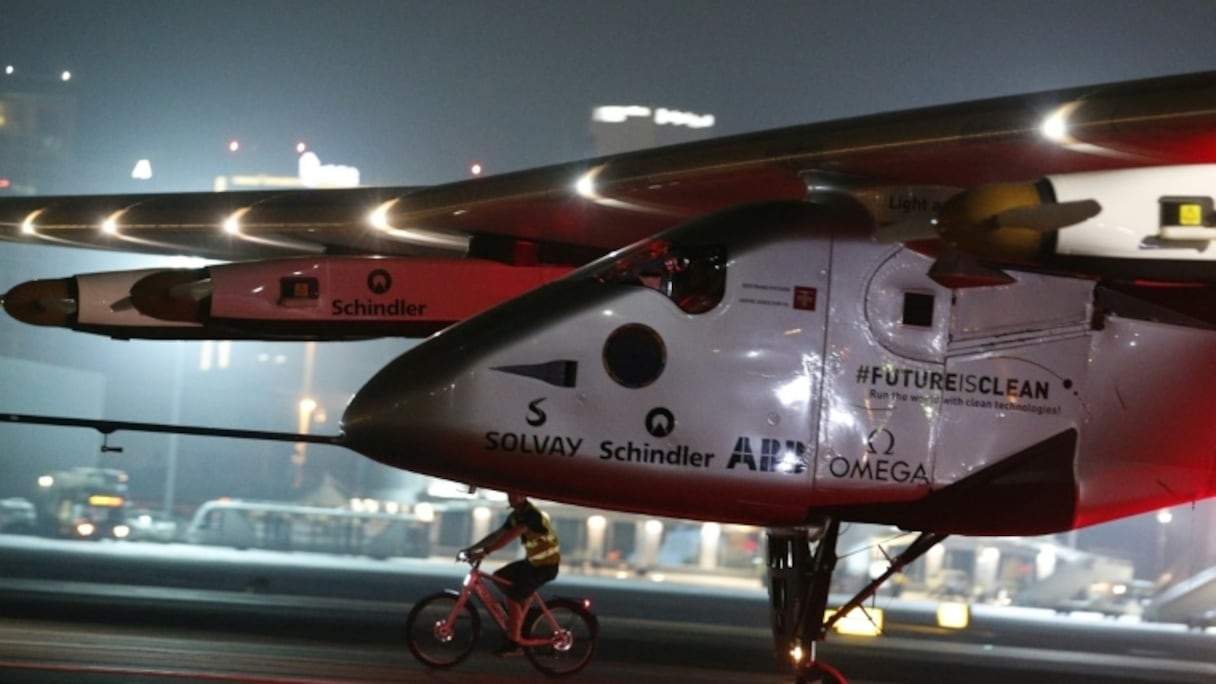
(820, 673)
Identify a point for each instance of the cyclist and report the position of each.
(543, 555)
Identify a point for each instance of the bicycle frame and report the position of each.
(475, 585)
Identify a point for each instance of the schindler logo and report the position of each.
(379, 281)
(397, 308)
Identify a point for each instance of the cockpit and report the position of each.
(691, 276)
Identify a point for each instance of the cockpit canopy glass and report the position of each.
(691, 276)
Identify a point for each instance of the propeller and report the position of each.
(1002, 224)
(1042, 218)
(1047, 217)
(173, 294)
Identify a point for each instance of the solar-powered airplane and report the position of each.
(989, 318)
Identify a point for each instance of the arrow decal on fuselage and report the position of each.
(563, 373)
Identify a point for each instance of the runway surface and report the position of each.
(292, 618)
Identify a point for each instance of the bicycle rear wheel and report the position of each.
(434, 640)
(571, 637)
(820, 673)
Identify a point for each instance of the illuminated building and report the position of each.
(621, 128)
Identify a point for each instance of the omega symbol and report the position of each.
(660, 422)
(536, 417)
(881, 441)
(379, 281)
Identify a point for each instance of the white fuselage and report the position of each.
(829, 373)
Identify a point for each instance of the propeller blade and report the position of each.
(195, 291)
(1046, 217)
(908, 230)
(65, 305)
(173, 295)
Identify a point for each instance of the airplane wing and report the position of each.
(567, 213)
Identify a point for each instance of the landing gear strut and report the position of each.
(800, 579)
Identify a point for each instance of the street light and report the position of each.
(1164, 518)
(142, 170)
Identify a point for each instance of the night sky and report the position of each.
(414, 92)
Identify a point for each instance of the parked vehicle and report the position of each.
(17, 516)
(152, 526)
(83, 503)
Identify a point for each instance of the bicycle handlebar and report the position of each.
(463, 557)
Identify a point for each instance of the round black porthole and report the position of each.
(634, 355)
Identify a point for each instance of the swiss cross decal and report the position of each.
(804, 298)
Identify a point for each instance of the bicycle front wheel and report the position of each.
(820, 673)
(439, 637)
(570, 635)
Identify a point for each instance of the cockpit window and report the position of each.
(692, 276)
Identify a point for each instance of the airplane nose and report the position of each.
(431, 411)
(393, 415)
(433, 405)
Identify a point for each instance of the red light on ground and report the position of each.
(5, 183)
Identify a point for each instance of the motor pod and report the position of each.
(51, 302)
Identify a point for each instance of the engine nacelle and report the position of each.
(94, 302)
(336, 297)
(314, 298)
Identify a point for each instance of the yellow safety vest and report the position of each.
(539, 539)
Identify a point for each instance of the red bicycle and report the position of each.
(558, 635)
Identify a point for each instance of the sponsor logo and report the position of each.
(532, 443)
(379, 281)
(880, 441)
(878, 470)
(773, 456)
(536, 417)
(680, 455)
(660, 422)
(366, 307)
